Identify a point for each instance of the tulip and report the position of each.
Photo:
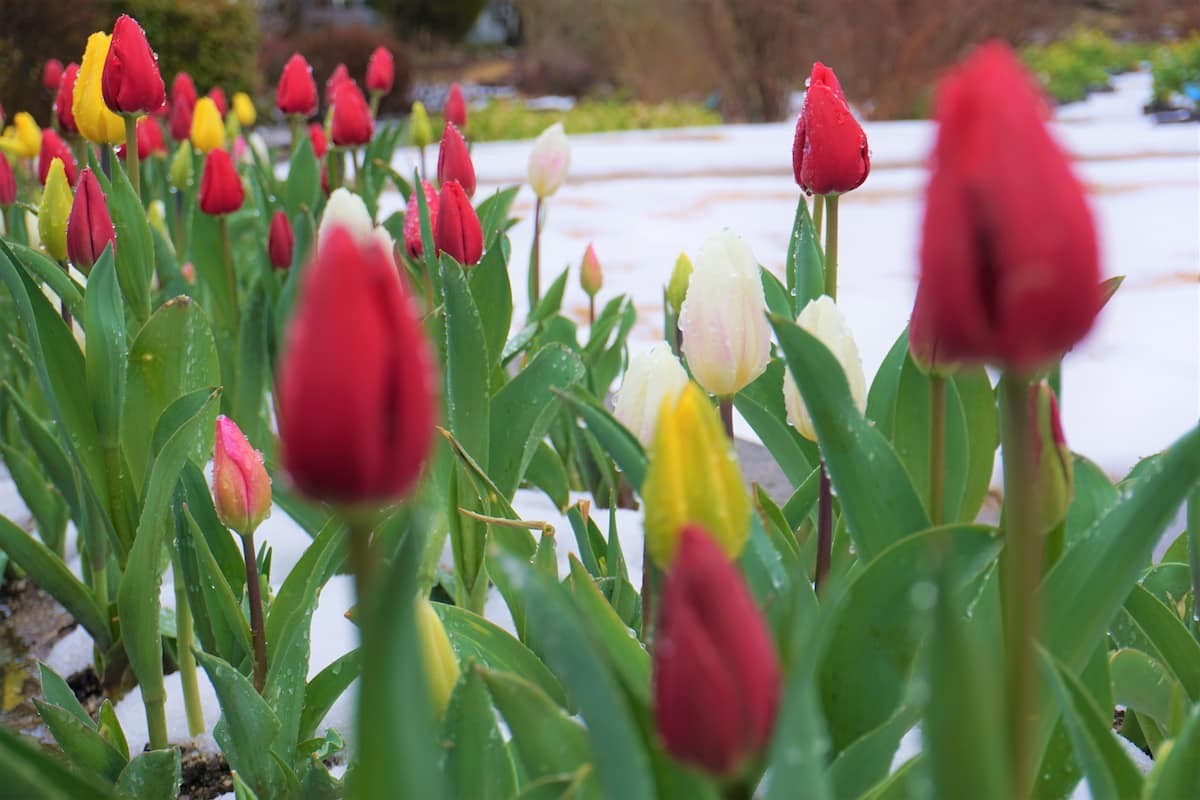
(130, 81)
(54, 211)
(716, 675)
(180, 171)
(89, 226)
(150, 138)
(829, 154)
(458, 232)
(347, 210)
(280, 241)
(296, 94)
(923, 343)
(53, 147)
(356, 325)
(24, 138)
(441, 666)
(94, 119)
(693, 477)
(1055, 467)
(381, 71)
(183, 90)
(591, 277)
(351, 124)
(241, 487)
(823, 319)
(412, 219)
(320, 145)
(654, 379)
(1009, 265)
(243, 109)
(549, 161)
(65, 98)
(420, 133)
(455, 108)
(8, 183)
(221, 190)
(726, 338)
(52, 75)
(181, 120)
(217, 95)
(681, 277)
(454, 161)
(336, 78)
(208, 133)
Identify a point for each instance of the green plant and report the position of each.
(1174, 66)
(504, 119)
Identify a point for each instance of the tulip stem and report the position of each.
(184, 636)
(824, 529)
(230, 275)
(422, 151)
(297, 127)
(937, 447)
(375, 98)
(535, 258)
(1021, 573)
(357, 170)
(726, 406)
(831, 245)
(591, 310)
(1193, 528)
(180, 228)
(258, 630)
(131, 155)
(818, 215)
(64, 309)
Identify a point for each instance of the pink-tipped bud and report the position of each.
(454, 161)
(591, 278)
(281, 241)
(241, 487)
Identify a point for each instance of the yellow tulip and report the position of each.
(54, 211)
(693, 477)
(208, 132)
(22, 139)
(243, 107)
(441, 666)
(181, 166)
(94, 119)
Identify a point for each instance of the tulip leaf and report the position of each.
(135, 249)
(910, 437)
(761, 405)
(617, 441)
(220, 625)
(1095, 495)
(805, 268)
(30, 770)
(1165, 630)
(629, 659)
(546, 472)
(41, 267)
(493, 297)
(81, 743)
(467, 369)
(58, 692)
(151, 776)
(254, 367)
(983, 435)
(303, 185)
(777, 299)
(477, 763)
(546, 740)
(493, 214)
(325, 688)
(881, 397)
(1176, 771)
(1143, 685)
(107, 350)
(43, 498)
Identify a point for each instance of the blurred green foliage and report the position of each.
(1071, 67)
(1175, 65)
(511, 120)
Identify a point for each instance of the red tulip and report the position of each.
(829, 154)
(412, 219)
(381, 71)
(183, 90)
(316, 134)
(352, 124)
(356, 382)
(65, 98)
(52, 75)
(280, 241)
(150, 138)
(241, 487)
(297, 91)
(457, 231)
(54, 147)
(131, 82)
(89, 227)
(454, 160)
(221, 190)
(8, 183)
(716, 677)
(455, 109)
(181, 120)
(1009, 266)
(217, 95)
(336, 78)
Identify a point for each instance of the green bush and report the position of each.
(1175, 65)
(508, 120)
(1071, 67)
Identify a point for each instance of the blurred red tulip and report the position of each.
(351, 125)
(336, 78)
(54, 147)
(131, 82)
(455, 109)
(221, 190)
(183, 90)
(52, 75)
(217, 95)
(89, 227)
(8, 183)
(64, 100)
(280, 241)
(454, 160)
(150, 138)
(297, 91)
(830, 153)
(458, 231)
(381, 71)
(316, 134)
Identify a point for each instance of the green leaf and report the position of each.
(621, 445)
(135, 249)
(545, 738)
(39, 493)
(43, 268)
(493, 298)
(107, 349)
(551, 300)
(761, 405)
(983, 433)
(629, 660)
(81, 743)
(881, 398)
(1095, 495)
(57, 692)
(247, 726)
(805, 268)
(29, 771)
(325, 688)
(477, 760)
(1179, 649)
(303, 185)
(910, 437)
(546, 472)
(1176, 772)
(151, 776)
(254, 366)
(110, 728)
(1142, 684)
(778, 301)
(467, 369)
(493, 213)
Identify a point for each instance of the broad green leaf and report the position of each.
(493, 298)
(467, 406)
(477, 762)
(761, 405)
(546, 471)
(57, 692)
(864, 763)
(39, 493)
(910, 437)
(325, 688)
(254, 367)
(107, 349)
(1176, 772)
(629, 660)
(42, 267)
(1095, 495)
(151, 776)
(805, 268)
(303, 184)
(1179, 649)
(247, 726)
(983, 434)
(776, 296)
(617, 441)
(881, 397)
(1142, 684)
(545, 738)
(493, 212)
(81, 743)
(135, 248)
(29, 771)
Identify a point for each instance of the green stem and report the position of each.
(115, 470)
(184, 638)
(824, 529)
(131, 155)
(156, 719)
(831, 245)
(375, 98)
(64, 310)
(230, 275)
(422, 151)
(362, 563)
(180, 229)
(357, 169)
(818, 214)
(937, 447)
(726, 406)
(258, 628)
(1193, 528)
(535, 258)
(1022, 570)
(591, 310)
(297, 126)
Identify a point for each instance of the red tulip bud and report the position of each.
(54, 147)
(339, 76)
(280, 241)
(181, 120)
(241, 487)
(1008, 252)
(381, 71)
(297, 91)
(316, 134)
(352, 124)
(8, 183)
(412, 219)
(150, 138)
(829, 154)
(454, 161)
(89, 227)
(221, 190)
(455, 109)
(183, 90)
(716, 679)
(217, 95)
(923, 343)
(355, 327)
(52, 75)
(131, 82)
(457, 231)
(65, 98)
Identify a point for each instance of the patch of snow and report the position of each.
(72, 653)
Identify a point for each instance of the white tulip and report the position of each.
(345, 209)
(653, 377)
(549, 161)
(823, 319)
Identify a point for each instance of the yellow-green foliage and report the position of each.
(1071, 67)
(1175, 65)
(512, 120)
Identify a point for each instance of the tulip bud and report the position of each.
(94, 119)
(183, 90)
(693, 477)
(54, 211)
(441, 666)
(549, 161)
(181, 120)
(823, 319)
(923, 343)
(233, 133)
(243, 109)
(345, 209)
(1020, 301)
(54, 147)
(830, 153)
(208, 132)
(241, 488)
(8, 183)
(381, 71)
(454, 161)
(412, 219)
(716, 675)
(320, 145)
(181, 166)
(458, 232)
(150, 138)
(677, 287)
(336, 78)
(24, 139)
(420, 133)
(130, 81)
(297, 91)
(455, 109)
(280, 241)
(89, 226)
(65, 98)
(726, 338)
(1055, 470)
(221, 190)
(654, 380)
(52, 74)
(355, 325)
(217, 95)
(351, 123)
(156, 216)
(591, 278)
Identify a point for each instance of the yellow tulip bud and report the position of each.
(208, 132)
(181, 166)
(22, 139)
(95, 120)
(233, 128)
(441, 666)
(243, 107)
(1055, 465)
(419, 129)
(54, 211)
(693, 476)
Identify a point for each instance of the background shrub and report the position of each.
(445, 19)
(31, 33)
(1175, 66)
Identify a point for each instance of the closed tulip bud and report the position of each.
(654, 380)
(65, 98)
(681, 277)
(208, 132)
(455, 109)
(355, 325)
(726, 337)
(693, 477)
(8, 183)
(183, 90)
(89, 226)
(243, 108)
(156, 216)
(441, 666)
(923, 344)
(233, 133)
(420, 132)
(241, 487)
(52, 74)
(1055, 470)
(458, 232)
(221, 190)
(280, 241)
(412, 219)
(316, 135)
(591, 277)
(130, 81)
(351, 124)
(346, 210)
(716, 675)
(830, 153)
(296, 94)
(54, 211)
(94, 119)
(150, 138)
(454, 161)
(381, 71)
(54, 147)
(181, 167)
(823, 319)
(181, 121)
(217, 95)
(549, 161)
(336, 78)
